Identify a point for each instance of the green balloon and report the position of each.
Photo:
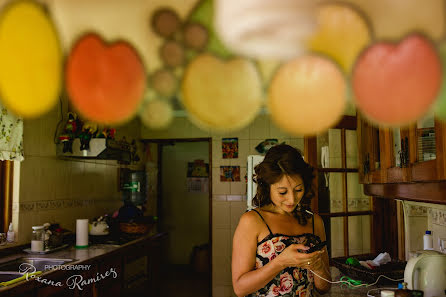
(440, 104)
(203, 13)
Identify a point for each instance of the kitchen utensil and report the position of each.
(99, 228)
(427, 272)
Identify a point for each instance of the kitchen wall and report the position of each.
(59, 190)
(229, 198)
(420, 217)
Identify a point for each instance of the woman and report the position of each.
(268, 255)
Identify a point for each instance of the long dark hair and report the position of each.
(279, 160)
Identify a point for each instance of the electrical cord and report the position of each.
(354, 283)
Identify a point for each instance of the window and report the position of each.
(346, 211)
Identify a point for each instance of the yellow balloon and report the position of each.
(30, 60)
(393, 20)
(223, 96)
(307, 95)
(342, 34)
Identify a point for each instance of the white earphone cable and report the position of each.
(361, 285)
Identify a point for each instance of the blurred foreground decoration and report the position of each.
(396, 84)
(157, 114)
(219, 95)
(105, 82)
(393, 20)
(307, 95)
(30, 59)
(440, 104)
(342, 34)
(264, 28)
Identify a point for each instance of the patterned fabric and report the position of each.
(292, 281)
(11, 136)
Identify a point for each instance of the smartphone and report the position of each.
(317, 247)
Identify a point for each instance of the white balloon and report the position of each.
(276, 29)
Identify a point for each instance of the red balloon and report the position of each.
(105, 83)
(396, 84)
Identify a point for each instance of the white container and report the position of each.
(81, 233)
(387, 293)
(428, 242)
(10, 235)
(37, 239)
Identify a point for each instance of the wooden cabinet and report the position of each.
(393, 155)
(406, 163)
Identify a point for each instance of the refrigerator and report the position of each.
(253, 160)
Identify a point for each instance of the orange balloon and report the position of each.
(307, 95)
(396, 84)
(105, 83)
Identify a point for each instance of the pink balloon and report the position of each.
(396, 84)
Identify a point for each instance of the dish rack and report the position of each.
(393, 269)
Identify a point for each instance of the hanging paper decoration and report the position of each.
(342, 34)
(157, 114)
(440, 104)
(265, 28)
(164, 82)
(105, 82)
(196, 36)
(307, 95)
(30, 60)
(221, 95)
(396, 84)
(165, 22)
(203, 15)
(392, 20)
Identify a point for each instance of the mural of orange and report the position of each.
(105, 82)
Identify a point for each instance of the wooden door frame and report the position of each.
(171, 141)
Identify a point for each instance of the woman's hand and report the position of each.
(291, 257)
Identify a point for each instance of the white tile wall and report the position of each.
(418, 218)
(44, 177)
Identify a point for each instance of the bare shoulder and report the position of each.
(249, 219)
(250, 223)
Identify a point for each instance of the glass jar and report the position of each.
(37, 239)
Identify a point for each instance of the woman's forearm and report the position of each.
(321, 285)
(256, 279)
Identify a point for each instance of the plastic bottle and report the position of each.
(37, 239)
(10, 234)
(428, 241)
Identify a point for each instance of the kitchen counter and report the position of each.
(97, 254)
(341, 290)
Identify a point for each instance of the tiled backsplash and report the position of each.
(62, 190)
(420, 217)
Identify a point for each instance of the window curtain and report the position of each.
(11, 136)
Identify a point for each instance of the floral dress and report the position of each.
(292, 281)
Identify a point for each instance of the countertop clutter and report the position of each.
(338, 290)
(98, 270)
